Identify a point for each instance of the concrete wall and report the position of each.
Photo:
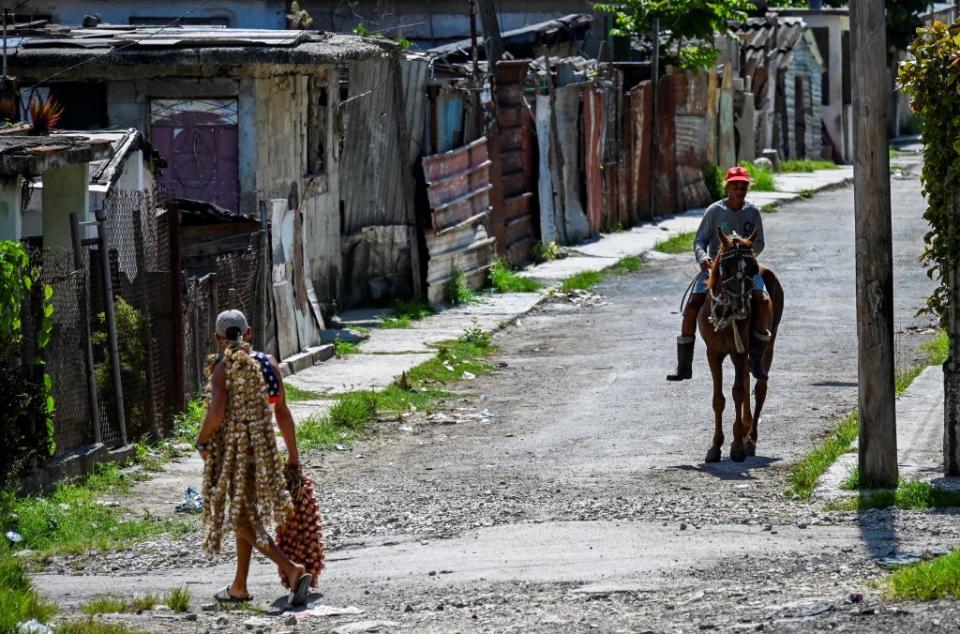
(250, 14)
(66, 191)
(280, 118)
(10, 223)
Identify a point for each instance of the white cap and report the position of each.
(231, 319)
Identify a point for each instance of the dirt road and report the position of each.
(567, 491)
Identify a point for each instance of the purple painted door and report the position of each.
(199, 141)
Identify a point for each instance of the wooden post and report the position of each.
(491, 33)
(80, 265)
(654, 86)
(878, 424)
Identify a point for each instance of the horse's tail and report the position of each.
(776, 296)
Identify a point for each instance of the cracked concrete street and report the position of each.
(578, 499)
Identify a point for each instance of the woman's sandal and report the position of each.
(224, 596)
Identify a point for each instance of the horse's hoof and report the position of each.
(738, 454)
(713, 455)
(751, 450)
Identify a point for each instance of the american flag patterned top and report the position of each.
(271, 379)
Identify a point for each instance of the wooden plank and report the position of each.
(287, 341)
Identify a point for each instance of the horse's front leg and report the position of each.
(738, 452)
(716, 370)
(759, 397)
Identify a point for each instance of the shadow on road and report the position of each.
(728, 469)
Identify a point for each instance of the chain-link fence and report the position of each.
(236, 282)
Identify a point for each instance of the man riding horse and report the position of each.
(734, 214)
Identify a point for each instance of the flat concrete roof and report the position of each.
(33, 155)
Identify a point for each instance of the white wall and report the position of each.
(263, 14)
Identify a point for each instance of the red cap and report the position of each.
(737, 174)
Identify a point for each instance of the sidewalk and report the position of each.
(919, 440)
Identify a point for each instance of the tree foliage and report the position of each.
(932, 78)
(688, 26)
(26, 322)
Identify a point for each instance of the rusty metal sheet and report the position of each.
(593, 141)
(640, 122)
(459, 189)
(513, 224)
(666, 168)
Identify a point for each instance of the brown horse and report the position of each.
(725, 325)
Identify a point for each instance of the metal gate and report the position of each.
(199, 140)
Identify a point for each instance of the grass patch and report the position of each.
(682, 243)
(894, 153)
(628, 264)
(94, 626)
(582, 281)
(927, 580)
(504, 279)
(761, 180)
(804, 474)
(73, 520)
(457, 292)
(353, 411)
(548, 252)
(344, 348)
(806, 194)
(915, 496)
(178, 599)
(769, 208)
(105, 604)
(19, 601)
(793, 165)
(295, 394)
(405, 312)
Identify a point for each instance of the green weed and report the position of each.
(405, 312)
(295, 394)
(90, 625)
(581, 281)
(541, 252)
(475, 335)
(344, 348)
(319, 432)
(806, 194)
(504, 279)
(456, 291)
(927, 580)
(915, 495)
(353, 410)
(804, 474)
(105, 604)
(793, 165)
(713, 177)
(628, 264)
(178, 599)
(761, 180)
(682, 243)
(143, 602)
(769, 208)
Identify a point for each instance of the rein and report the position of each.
(726, 297)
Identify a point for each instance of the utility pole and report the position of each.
(491, 33)
(655, 96)
(874, 256)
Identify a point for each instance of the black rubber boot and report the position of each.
(684, 360)
(758, 347)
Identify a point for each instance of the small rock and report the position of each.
(408, 608)
(208, 607)
(683, 527)
(290, 620)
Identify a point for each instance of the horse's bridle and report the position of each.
(736, 286)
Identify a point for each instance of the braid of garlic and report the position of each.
(247, 432)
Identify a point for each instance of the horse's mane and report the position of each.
(714, 277)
